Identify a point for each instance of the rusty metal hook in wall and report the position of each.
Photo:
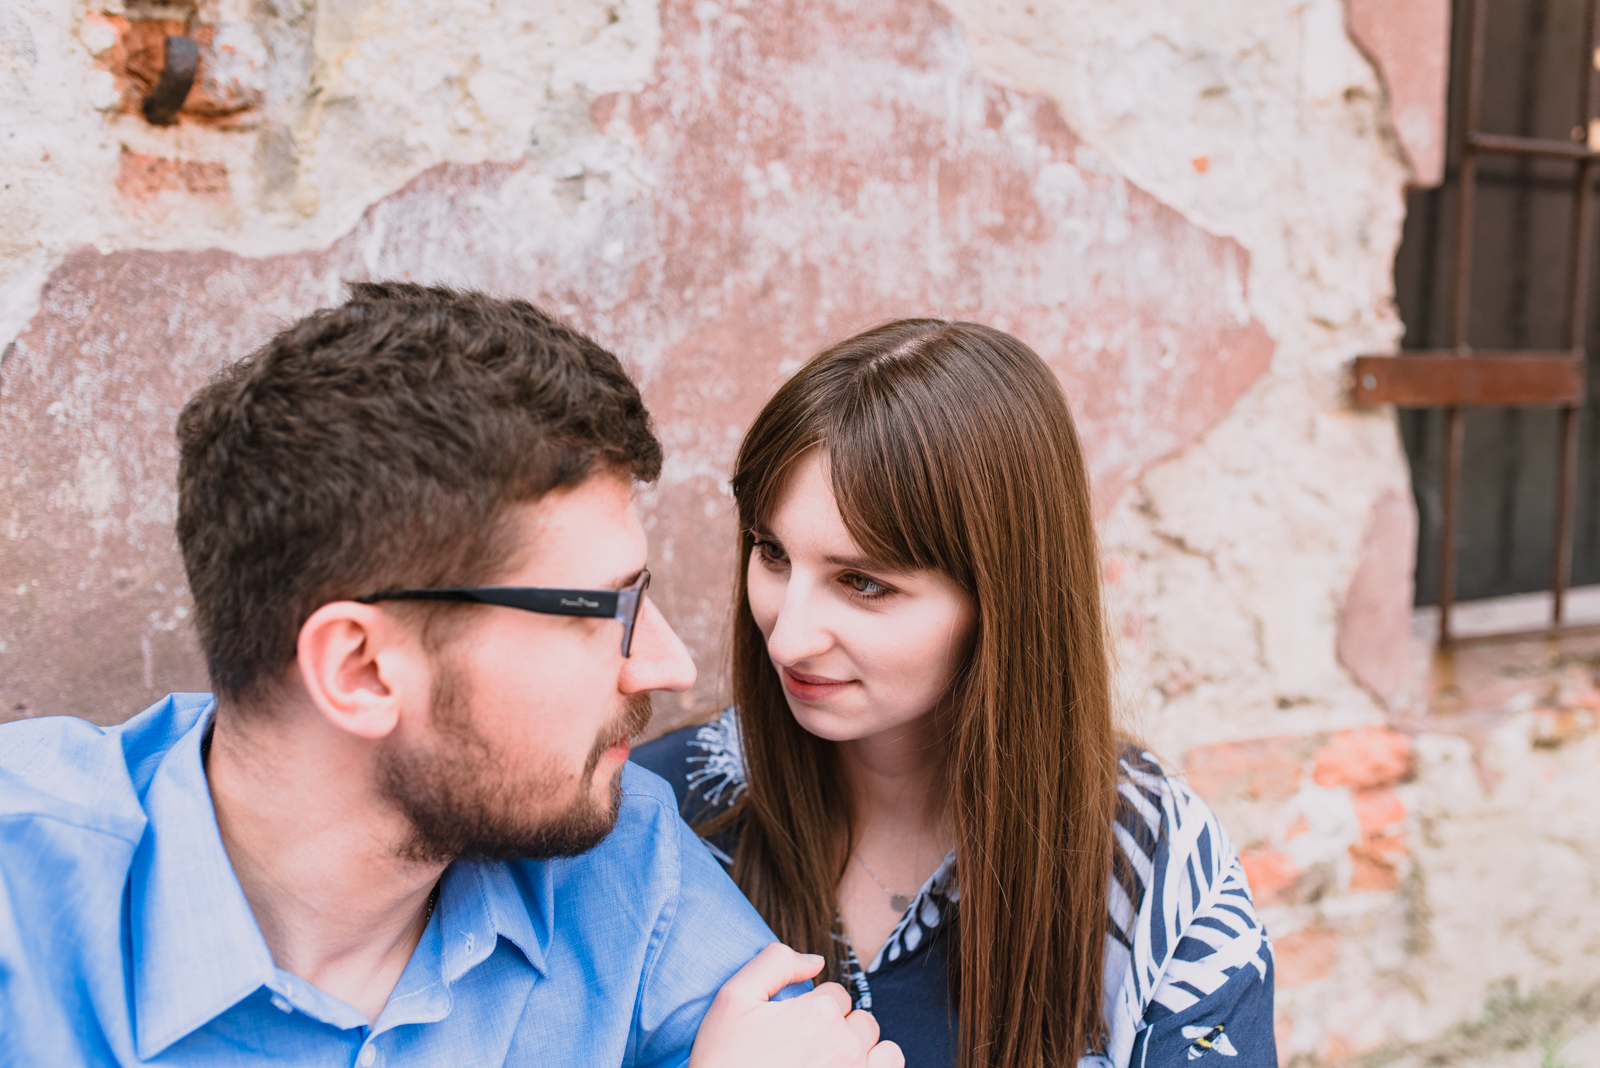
(180, 61)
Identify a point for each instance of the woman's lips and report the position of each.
(804, 687)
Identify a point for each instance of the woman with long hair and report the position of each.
(921, 777)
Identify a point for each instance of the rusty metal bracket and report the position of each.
(180, 62)
(1488, 379)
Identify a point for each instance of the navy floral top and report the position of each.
(1188, 966)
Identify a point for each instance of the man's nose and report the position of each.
(658, 659)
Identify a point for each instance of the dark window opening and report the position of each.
(1538, 70)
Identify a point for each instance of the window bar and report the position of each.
(1461, 307)
(1577, 316)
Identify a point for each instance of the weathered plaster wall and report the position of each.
(348, 100)
(716, 225)
(1190, 210)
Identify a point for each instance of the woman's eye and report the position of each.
(862, 586)
(770, 552)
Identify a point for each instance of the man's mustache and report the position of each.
(630, 724)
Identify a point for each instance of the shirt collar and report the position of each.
(482, 902)
(500, 902)
(478, 905)
(197, 949)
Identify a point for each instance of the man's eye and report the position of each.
(862, 586)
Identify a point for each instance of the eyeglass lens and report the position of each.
(632, 604)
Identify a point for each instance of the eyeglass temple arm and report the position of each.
(606, 604)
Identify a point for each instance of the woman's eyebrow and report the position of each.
(851, 563)
(863, 563)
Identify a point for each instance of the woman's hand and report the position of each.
(816, 1030)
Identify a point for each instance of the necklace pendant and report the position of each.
(899, 902)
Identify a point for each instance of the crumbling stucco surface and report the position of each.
(1190, 210)
(716, 225)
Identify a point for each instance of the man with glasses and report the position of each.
(404, 829)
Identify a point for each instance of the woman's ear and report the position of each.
(358, 667)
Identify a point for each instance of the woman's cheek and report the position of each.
(942, 632)
(892, 652)
(765, 595)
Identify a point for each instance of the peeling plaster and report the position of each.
(718, 229)
(360, 98)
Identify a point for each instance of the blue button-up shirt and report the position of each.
(126, 939)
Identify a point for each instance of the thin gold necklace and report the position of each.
(897, 901)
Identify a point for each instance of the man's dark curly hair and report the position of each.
(381, 445)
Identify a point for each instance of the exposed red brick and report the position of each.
(1374, 859)
(142, 178)
(1266, 769)
(1305, 956)
(1380, 810)
(1336, 1047)
(1271, 875)
(137, 58)
(1363, 758)
(204, 178)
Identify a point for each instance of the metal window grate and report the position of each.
(1458, 377)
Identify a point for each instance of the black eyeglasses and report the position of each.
(621, 605)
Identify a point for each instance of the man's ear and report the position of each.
(360, 667)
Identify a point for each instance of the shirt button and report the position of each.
(470, 942)
(280, 1004)
(369, 1053)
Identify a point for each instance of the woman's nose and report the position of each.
(799, 633)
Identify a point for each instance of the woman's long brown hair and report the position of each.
(950, 447)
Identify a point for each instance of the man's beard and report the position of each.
(463, 801)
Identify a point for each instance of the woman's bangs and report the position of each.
(884, 483)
